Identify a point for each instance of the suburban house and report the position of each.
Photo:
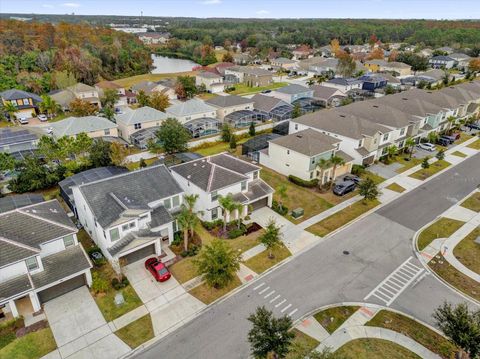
(442, 62)
(283, 63)
(93, 126)
(148, 87)
(299, 153)
(17, 141)
(78, 91)
(229, 107)
(222, 175)
(133, 120)
(317, 65)
(327, 96)
(167, 87)
(272, 107)
(213, 82)
(191, 110)
(104, 85)
(398, 68)
(41, 258)
(242, 58)
(9, 203)
(130, 215)
(292, 93)
(462, 60)
(432, 77)
(326, 51)
(251, 76)
(302, 52)
(254, 145)
(373, 82)
(154, 38)
(26, 103)
(344, 84)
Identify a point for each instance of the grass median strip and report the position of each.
(207, 294)
(374, 349)
(472, 202)
(442, 228)
(456, 278)
(31, 346)
(332, 318)
(475, 145)
(137, 332)
(468, 252)
(260, 263)
(395, 187)
(342, 217)
(459, 154)
(435, 167)
(415, 330)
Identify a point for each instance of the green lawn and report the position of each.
(395, 187)
(136, 165)
(472, 202)
(475, 145)
(31, 346)
(468, 252)
(456, 278)
(332, 318)
(243, 89)
(260, 263)
(374, 177)
(435, 167)
(128, 82)
(303, 341)
(416, 331)
(463, 137)
(218, 147)
(406, 165)
(137, 332)
(342, 217)
(459, 154)
(207, 294)
(374, 349)
(312, 202)
(442, 228)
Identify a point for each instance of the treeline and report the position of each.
(41, 57)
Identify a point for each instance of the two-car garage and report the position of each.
(62, 288)
(138, 254)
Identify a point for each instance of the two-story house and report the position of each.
(26, 103)
(227, 106)
(283, 63)
(299, 153)
(110, 85)
(40, 258)
(251, 76)
(221, 175)
(133, 120)
(213, 82)
(344, 84)
(191, 110)
(129, 215)
(442, 62)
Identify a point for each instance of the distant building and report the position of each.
(78, 91)
(343, 84)
(251, 76)
(154, 38)
(442, 62)
(26, 103)
(283, 63)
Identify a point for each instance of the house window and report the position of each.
(402, 132)
(114, 235)
(32, 263)
(296, 126)
(385, 137)
(214, 213)
(132, 225)
(25, 101)
(311, 175)
(244, 185)
(68, 241)
(288, 152)
(143, 216)
(137, 126)
(360, 143)
(107, 132)
(255, 175)
(167, 203)
(214, 196)
(176, 201)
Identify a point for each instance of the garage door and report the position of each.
(140, 254)
(62, 288)
(260, 203)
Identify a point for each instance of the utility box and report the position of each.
(297, 213)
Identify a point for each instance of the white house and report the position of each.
(40, 259)
(130, 215)
(191, 110)
(221, 175)
(442, 62)
(133, 120)
(213, 82)
(93, 126)
(344, 84)
(227, 105)
(299, 153)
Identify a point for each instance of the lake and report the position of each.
(166, 65)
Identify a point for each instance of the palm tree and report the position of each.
(183, 219)
(228, 205)
(451, 122)
(310, 82)
(189, 205)
(239, 207)
(48, 106)
(282, 193)
(410, 144)
(392, 151)
(323, 164)
(10, 108)
(336, 161)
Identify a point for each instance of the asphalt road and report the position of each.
(377, 245)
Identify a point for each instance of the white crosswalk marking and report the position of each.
(274, 299)
(284, 309)
(279, 304)
(392, 286)
(269, 294)
(292, 312)
(259, 286)
(264, 290)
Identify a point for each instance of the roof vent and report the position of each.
(376, 106)
(194, 164)
(299, 136)
(203, 166)
(189, 176)
(404, 99)
(342, 116)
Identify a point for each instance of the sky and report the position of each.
(397, 9)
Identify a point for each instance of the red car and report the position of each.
(158, 269)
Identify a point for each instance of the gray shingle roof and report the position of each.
(267, 103)
(307, 142)
(293, 89)
(79, 87)
(110, 198)
(190, 107)
(14, 286)
(72, 126)
(324, 92)
(145, 86)
(160, 216)
(208, 75)
(228, 101)
(9, 203)
(60, 265)
(232, 163)
(141, 236)
(11, 252)
(140, 115)
(15, 94)
(257, 189)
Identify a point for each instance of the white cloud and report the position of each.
(211, 2)
(71, 4)
(48, 6)
(263, 12)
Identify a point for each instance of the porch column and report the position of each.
(270, 200)
(170, 233)
(13, 308)
(245, 210)
(88, 276)
(158, 247)
(35, 302)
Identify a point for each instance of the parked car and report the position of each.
(342, 188)
(427, 146)
(352, 178)
(474, 126)
(456, 135)
(23, 120)
(42, 117)
(157, 269)
(266, 91)
(450, 139)
(443, 142)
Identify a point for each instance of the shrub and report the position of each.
(282, 210)
(212, 225)
(192, 251)
(119, 284)
(358, 170)
(177, 239)
(300, 182)
(236, 232)
(99, 284)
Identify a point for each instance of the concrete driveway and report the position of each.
(79, 328)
